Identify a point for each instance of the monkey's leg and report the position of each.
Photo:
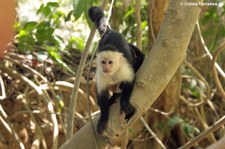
(103, 103)
(125, 105)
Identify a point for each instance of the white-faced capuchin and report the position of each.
(117, 63)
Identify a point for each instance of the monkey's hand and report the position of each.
(128, 109)
(101, 126)
(112, 99)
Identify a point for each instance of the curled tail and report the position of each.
(97, 16)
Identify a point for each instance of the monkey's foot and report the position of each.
(101, 126)
(128, 109)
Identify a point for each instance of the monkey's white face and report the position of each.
(108, 62)
(107, 66)
(112, 68)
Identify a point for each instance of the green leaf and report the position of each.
(44, 32)
(60, 101)
(40, 9)
(55, 55)
(144, 24)
(30, 25)
(53, 4)
(46, 11)
(130, 12)
(43, 36)
(68, 17)
(57, 17)
(17, 26)
(25, 42)
(79, 7)
(188, 129)
(210, 15)
(58, 42)
(80, 43)
(22, 33)
(59, 60)
(174, 121)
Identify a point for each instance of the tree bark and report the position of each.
(157, 70)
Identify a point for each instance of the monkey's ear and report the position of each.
(121, 58)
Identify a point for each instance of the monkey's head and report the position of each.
(108, 62)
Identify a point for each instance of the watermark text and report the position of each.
(201, 3)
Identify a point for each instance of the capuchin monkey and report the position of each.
(117, 62)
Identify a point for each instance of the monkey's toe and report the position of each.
(129, 111)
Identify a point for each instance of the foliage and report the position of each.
(33, 34)
(129, 26)
(214, 29)
(39, 36)
(187, 128)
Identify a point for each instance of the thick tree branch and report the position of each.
(157, 70)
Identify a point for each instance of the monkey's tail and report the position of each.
(97, 16)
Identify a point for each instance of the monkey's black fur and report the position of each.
(114, 41)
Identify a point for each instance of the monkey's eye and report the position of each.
(103, 62)
(110, 62)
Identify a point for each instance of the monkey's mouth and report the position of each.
(106, 72)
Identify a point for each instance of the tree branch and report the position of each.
(215, 75)
(138, 21)
(213, 128)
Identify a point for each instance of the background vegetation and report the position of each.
(37, 75)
